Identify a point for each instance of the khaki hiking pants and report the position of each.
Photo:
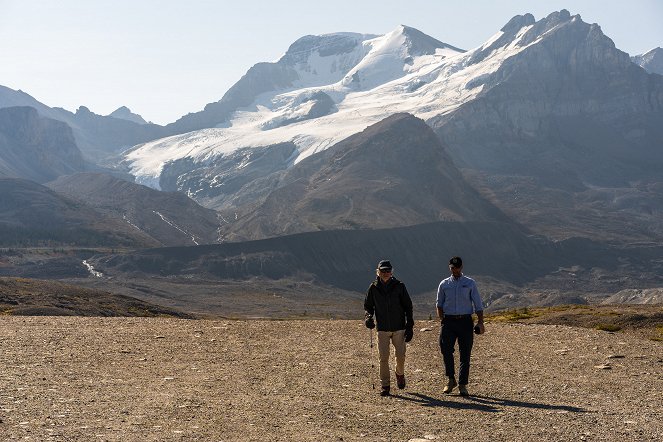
(384, 339)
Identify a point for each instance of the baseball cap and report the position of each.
(384, 265)
(456, 261)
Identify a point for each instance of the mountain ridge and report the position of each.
(98, 137)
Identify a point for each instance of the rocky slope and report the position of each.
(170, 218)
(34, 215)
(360, 183)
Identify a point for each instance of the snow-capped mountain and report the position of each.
(550, 109)
(651, 61)
(329, 87)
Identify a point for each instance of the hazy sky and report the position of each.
(166, 58)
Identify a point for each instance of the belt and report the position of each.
(457, 316)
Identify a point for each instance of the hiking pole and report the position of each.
(370, 330)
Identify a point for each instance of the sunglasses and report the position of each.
(385, 271)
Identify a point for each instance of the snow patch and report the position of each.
(91, 270)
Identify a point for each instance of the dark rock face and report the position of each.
(170, 218)
(394, 173)
(36, 148)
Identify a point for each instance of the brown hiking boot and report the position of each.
(450, 386)
(463, 390)
(384, 391)
(400, 380)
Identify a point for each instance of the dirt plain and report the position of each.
(165, 379)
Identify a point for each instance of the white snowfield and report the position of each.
(380, 77)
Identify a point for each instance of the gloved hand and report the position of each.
(370, 323)
(409, 333)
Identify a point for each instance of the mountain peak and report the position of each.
(324, 45)
(523, 30)
(651, 61)
(517, 23)
(420, 43)
(124, 113)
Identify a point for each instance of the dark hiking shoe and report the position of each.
(384, 391)
(400, 380)
(451, 384)
(462, 389)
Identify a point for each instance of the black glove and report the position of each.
(369, 322)
(409, 333)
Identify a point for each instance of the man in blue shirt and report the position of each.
(457, 298)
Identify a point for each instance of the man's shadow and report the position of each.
(481, 403)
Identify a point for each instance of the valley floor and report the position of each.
(155, 379)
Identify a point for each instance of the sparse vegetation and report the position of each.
(659, 334)
(516, 315)
(645, 320)
(608, 327)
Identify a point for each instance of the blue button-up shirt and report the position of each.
(459, 296)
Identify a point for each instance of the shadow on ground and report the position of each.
(481, 403)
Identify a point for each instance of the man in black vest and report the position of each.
(388, 299)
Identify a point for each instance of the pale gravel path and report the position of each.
(139, 379)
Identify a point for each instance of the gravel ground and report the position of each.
(153, 379)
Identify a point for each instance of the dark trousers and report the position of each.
(460, 329)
